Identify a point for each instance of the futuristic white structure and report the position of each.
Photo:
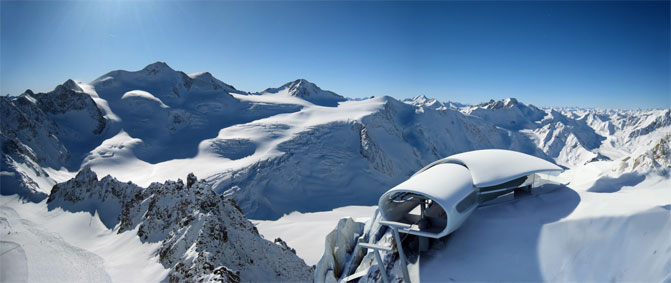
(437, 199)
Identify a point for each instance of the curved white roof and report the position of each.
(443, 183)
(489, 167)
(446, 184)
(452, 183)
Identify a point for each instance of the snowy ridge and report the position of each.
(202, 236)
(424, 101)
(569, 141)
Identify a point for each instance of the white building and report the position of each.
(437, 199)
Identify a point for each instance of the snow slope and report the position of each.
(568, 235)
(305, 231)
(55, 245)
(91, 230)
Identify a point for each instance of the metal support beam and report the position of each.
(376, 249)
(380, 264)
(399, 246)
(401, 255)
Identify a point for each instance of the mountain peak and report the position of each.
(207, 80)
(298, 81)
(500, 104)
(68, 85)
(311, 92)
(301, 84)
(308, 91)
(424, 101)
(157, 67)
(420, 97)
(510, 101)
(203, 75)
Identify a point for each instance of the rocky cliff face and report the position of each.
(656, 158)
(44, 130)
(203, 236)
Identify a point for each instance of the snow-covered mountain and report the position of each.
(295, 148)
(201, 235)
(43, 131)
(307, 91)
(352, 161)
(292, 148)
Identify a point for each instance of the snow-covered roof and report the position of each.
(452, 183)
(446, 184)
(491, 167)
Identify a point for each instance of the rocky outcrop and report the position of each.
(37, 130)
(203, 236)
(656, 158)
(339, 248)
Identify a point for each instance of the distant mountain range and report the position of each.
(295, 147)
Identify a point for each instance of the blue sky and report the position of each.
(590, 54)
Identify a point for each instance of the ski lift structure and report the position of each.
(436, 200)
